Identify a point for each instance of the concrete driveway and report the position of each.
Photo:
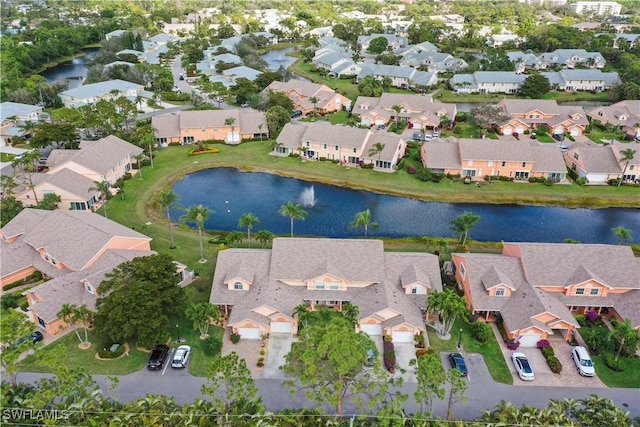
(278, 346)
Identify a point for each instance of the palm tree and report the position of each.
(120, 186)
(229, 121)
(201, 315)
(260, 128)
(363, 220)
(314, 101)
(351, 312)
(622, 331)
(248, 220)
(397, 109)
(462, 224)
(293, 212)
(167, 199)
(264, 237)
(449, 306)
(104, 188)
(139, 159)
(82, 314)
(377, 148)
(68, 315)
(622, 233)
(233, 238)
(627, 155)
(199, 215)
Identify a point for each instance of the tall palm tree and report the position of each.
(104, 188)
(82, 314)
(198, 214)
(314, 101)
(377, 148)
(363, 220)
(167, 200)
(622, 233)
(264, 237)
(68, 315)
(201, 315)
(293, 211)
(229, 121)
(248, 220)
(449, 306)
(622, 332)
(397, 108)
(139, 159)
(627, 155)
(260, 128)
(462, 224)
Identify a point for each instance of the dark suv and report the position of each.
(158, 357)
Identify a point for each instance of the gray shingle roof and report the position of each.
(68, 180)
(11, 109)
(100, 89)
(595, 158)
(291, 135)
(442, 154)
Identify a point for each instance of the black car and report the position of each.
(158, 357)
(457, 362)
(34, 337)
(558, 137)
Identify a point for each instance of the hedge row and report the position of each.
(389, 355)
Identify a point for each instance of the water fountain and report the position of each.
(308, 197)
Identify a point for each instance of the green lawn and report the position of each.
(446, 95)
(597, 135)
(629, 378)
(490, 350)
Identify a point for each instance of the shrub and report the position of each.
(262, 352)
(503, 333)
(592, 316)
(235, 338)
(260, 364)
(104, 353)
(260, 359)
(582, 181)
(547, 352)
(211, 346)
(512, 344)
(554, 364)
(323, 159)
(581, 319)
(612, 363)
(198, 151)
(422, 351)
(367, 166)
(543, 343)
(481, 331)
(388, 355)
(419, 338)
(411, 170)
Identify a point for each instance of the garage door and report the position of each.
(366, 122)
(529, 340)
(402, 336)
(520, 130)
(281, 327)
(371, 329)
(507, 131)
(249, 333)
(575, 132)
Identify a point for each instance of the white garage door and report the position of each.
(402, 336)
(371, 329)
(366, 122)
(281, 327)
(597, 178)
(507, 131)
(520, 130)
(249, 333)
(529, 340)
(575, 132)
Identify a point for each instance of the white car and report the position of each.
(520, 361)
(583, 362)
(181, 357)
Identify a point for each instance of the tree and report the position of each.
(458, 386)
(293, 211)
(140, 296)
(431, 379)
(535, 86)
(82, 314)
(68, 315)
(378, 45)
(623, 331)
(201, 314)
(25, 169)
(448, 306)
(248, 220)
(105, 189)
(622, 233)
(14, 325)
(627, 155)
(377, 148)
(229, 385)
(167, 200)
(462, 224)
(229, 121)
(45, 134)
(369, 86)
(199, 215)
(264, 237)
(363, 220)
(233, 238)
(485, 116)
(328, 365)
(397, 109)
(49, 202)
(277, 116)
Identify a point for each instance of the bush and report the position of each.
(481, 331)
(592, 316)
(197, 151)
(323, 159)
(419, 338)
(581, 319)
(106, 354)
(260, 359)
(503, 333)
(547, 352)
(422, 351)
(367, 166)
(543, 343)
(582, 181)
(411, 170)
(388, 355)
(512, 344)
(211, 346)
(260, 364)
(612, 363)
(10, 300)
(235, 338)
(262, 352)
(554, 364)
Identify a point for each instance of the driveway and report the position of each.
(278, 346)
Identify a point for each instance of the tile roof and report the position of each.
(306, 89)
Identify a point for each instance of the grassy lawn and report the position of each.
(544, 137)
(6, 157)
(489, 350)
(597, 135)
(629, 378)
(446, 95)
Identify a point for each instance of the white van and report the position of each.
(583, 362)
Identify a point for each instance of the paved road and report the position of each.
(483, 392)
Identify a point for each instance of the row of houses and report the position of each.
(16, 120)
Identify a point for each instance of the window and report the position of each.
(575, 156)
(500, 292)
(334, 285)
(415, 289)
(320, 285)
(354, 150)
(238, 285)
(336, 148)
(524, 164)
(78, 206)
(463, 271)
(470, 162)
(504, 164)
(324, 146)
(307, 143)
(490, 163)
(579, 291)
(594, 291)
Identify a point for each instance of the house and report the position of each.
(259, 289)
(432, 61)
(574, 80)
(189, 127)
(241, 71)
(599, 164)
(16, 119)
(624, 114)
(301, 93)
(536, 288)
(477, 158)
(529, 114)
(401, 77)
(571, 58)
(596, 7)
(420, 111)
(73, 250)
(629, 40)
(525, 61)
(348, 145)
(92, 93)
(336, 65)
(497, 40)
(115, 33)
(394, 42)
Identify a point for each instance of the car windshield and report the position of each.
(525, 365)
(586, 362)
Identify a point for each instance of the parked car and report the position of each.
(34, 337)
(381, 126)
(181, 357)
(564, 147)
(457, 362)
(296, 113)
(158, 357)
(244, 105)
(583, 361)
(558, 137)
(533, 135)
(371, 358)
(523, 368)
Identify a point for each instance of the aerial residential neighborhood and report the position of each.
(392, 211)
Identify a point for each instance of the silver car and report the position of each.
(181, 357)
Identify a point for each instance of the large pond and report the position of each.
(230, 193)
(73, 71)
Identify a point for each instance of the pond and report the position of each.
(74, 71)
(231, 193)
